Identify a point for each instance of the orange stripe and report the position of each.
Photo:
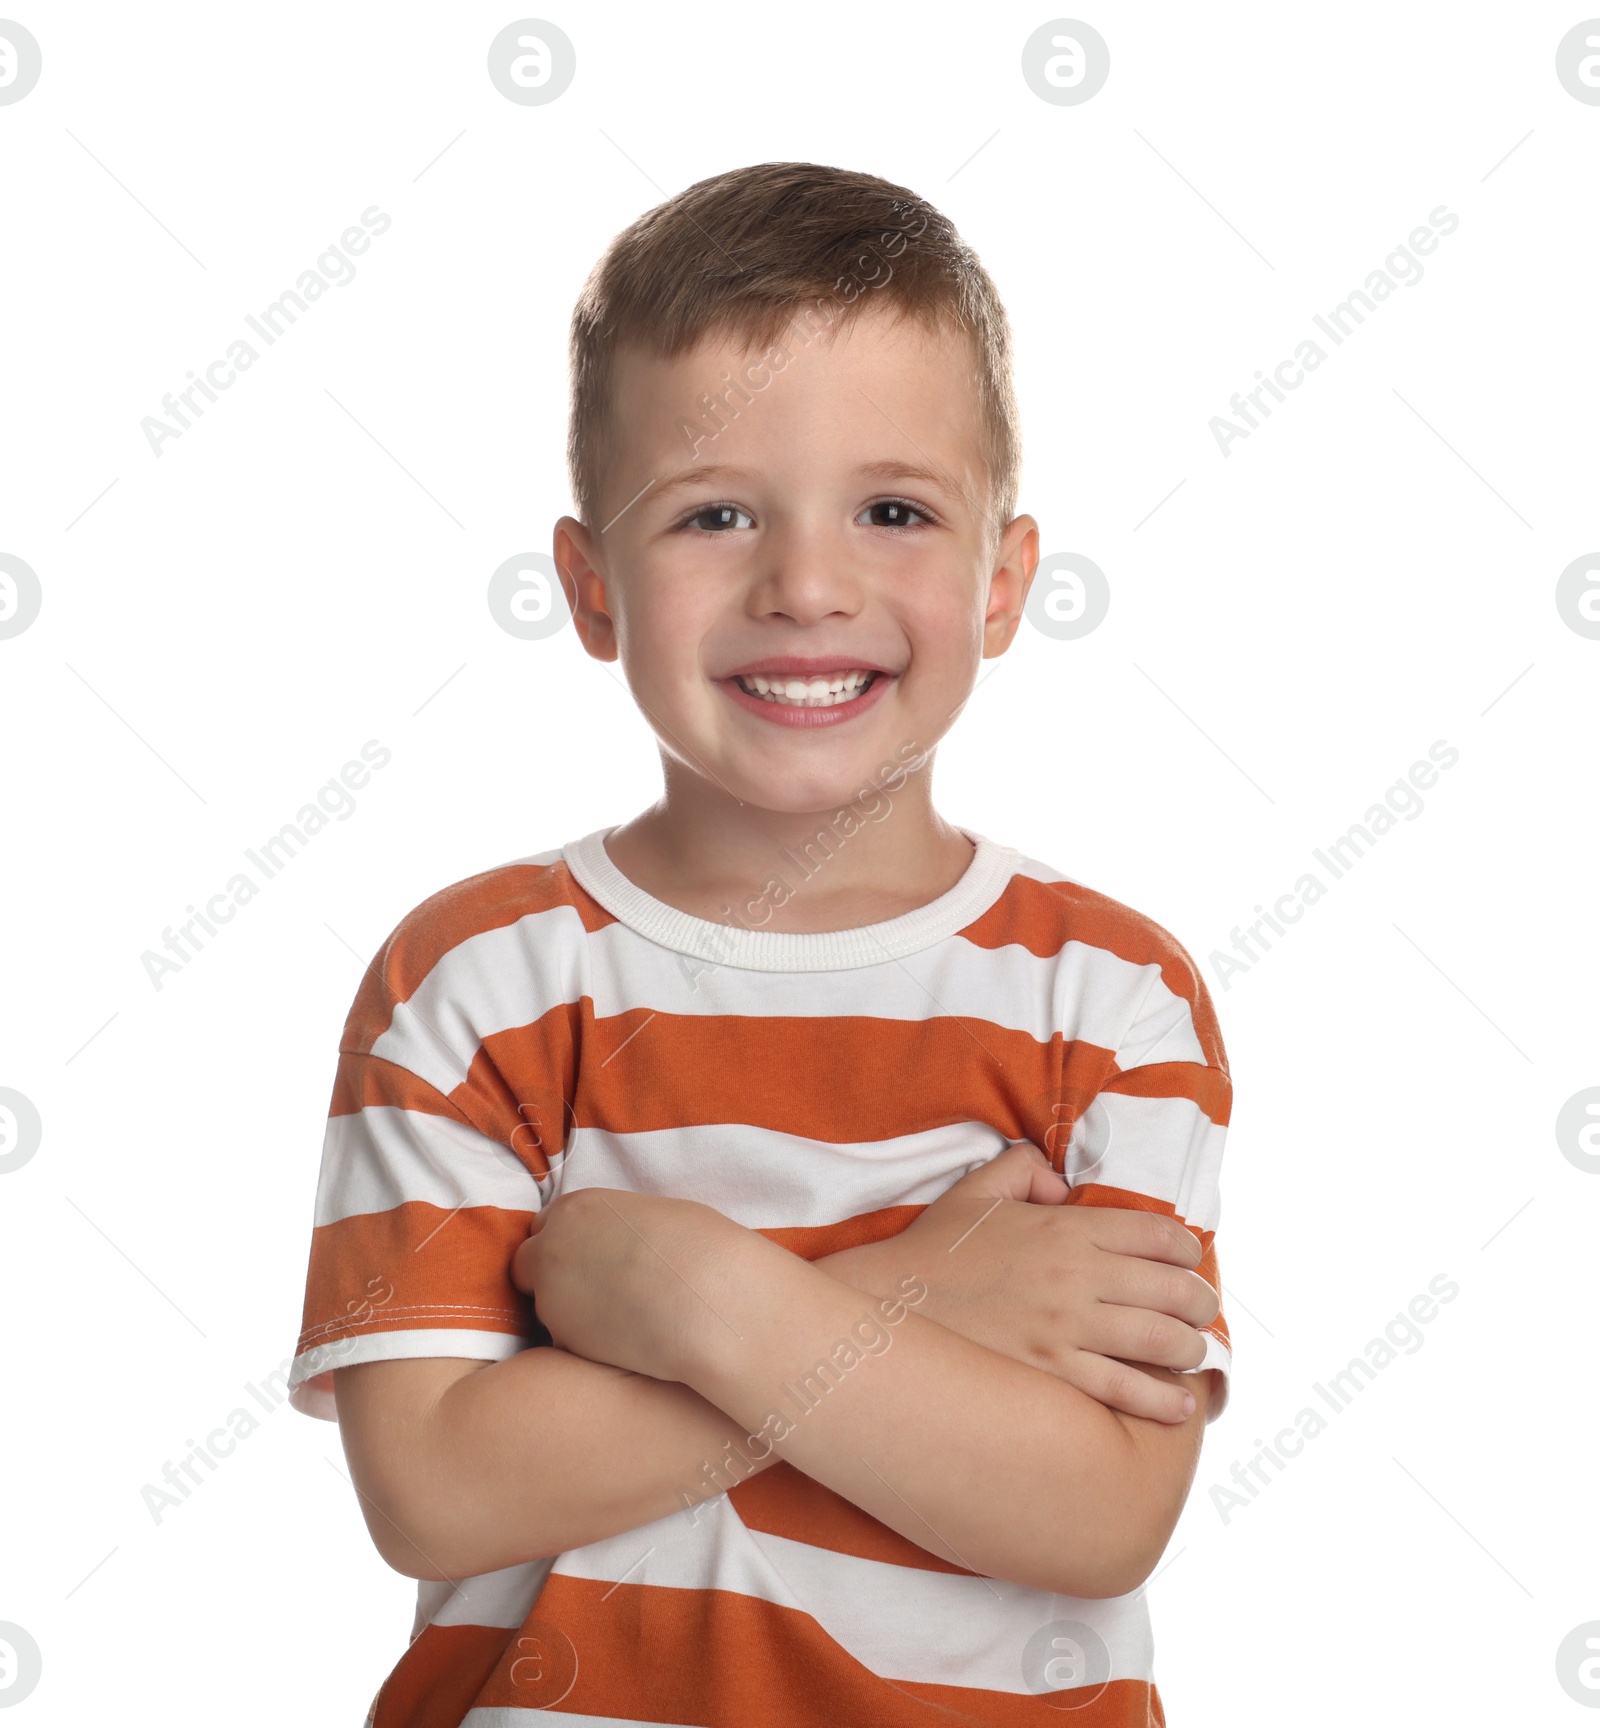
(489, 901)
(416, 1266)
(360, 1080)
(514, 1090)
(726, 1660)
(783, 1501)
(836, 1078)
(517, 1088)
(1044, 916)
(1210, 1088)
(813, 1241)
(439, 1678)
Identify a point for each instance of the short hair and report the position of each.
(743, 254)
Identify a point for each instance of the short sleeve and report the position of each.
(1153, 1134)
(418, 1214)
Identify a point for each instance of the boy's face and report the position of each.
(838, 519)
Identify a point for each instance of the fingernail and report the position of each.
(1188, 1403)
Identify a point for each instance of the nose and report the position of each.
(806, 573)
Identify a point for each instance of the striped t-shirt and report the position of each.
(549, 1026)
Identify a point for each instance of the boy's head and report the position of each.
(793, 434)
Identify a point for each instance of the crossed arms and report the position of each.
(988, 1409)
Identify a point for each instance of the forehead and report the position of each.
(880, 389)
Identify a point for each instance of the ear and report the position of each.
(1016, 559)
(584, 585)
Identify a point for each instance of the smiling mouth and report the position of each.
(830, 691)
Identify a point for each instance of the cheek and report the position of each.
(946, 630)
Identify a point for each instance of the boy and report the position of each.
(769, 1099)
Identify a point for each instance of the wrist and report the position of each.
(870, 1267)
(702, 1305)
(884, 1269)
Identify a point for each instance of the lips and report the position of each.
(805, 666)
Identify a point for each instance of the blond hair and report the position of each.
(743, 254)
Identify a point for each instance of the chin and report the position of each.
(792, 795)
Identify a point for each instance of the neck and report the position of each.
(874, 857)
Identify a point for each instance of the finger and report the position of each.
(522, 1264)
(1009, 1175)
(1048, 1186)
(1123, 1386)
(1140, 1335)
(1149, 1235)
(1134, 1283)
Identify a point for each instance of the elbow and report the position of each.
(409, 1543)
(1139, 1555)
(1091, 1565)
(1107, 1556)
(1102, 1581)
(436, 1542)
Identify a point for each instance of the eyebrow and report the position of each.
(884, 470)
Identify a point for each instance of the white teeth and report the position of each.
(795, 692)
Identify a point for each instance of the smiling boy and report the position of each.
(862, 1170)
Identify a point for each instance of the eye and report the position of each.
(721, 513)
(903, 509)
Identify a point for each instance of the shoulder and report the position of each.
(525, 916)
(1110, 947)
(1044, 909)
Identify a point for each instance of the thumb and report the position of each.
(1021, 1172)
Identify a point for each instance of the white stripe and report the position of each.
(1162, 1031)
(311, 1377)
(900, 1622)
(503, 1598)
(1083, 993)
(944, 1628)
(768, 1180)
(1042, 872)
(514, 976)
(485, 984)
(1167, 1148)
(382, 1156)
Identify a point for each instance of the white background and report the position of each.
(1289, 631)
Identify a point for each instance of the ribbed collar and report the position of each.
(983, 883)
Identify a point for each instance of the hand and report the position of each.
(1084, 1292)
(627, 1278)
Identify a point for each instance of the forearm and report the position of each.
(485, 1465)
(511, 1461)
(980, 1459)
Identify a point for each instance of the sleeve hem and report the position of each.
(1219, 1356)
(311, 1376)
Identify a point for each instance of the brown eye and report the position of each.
(715, 518)
(900, 513)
